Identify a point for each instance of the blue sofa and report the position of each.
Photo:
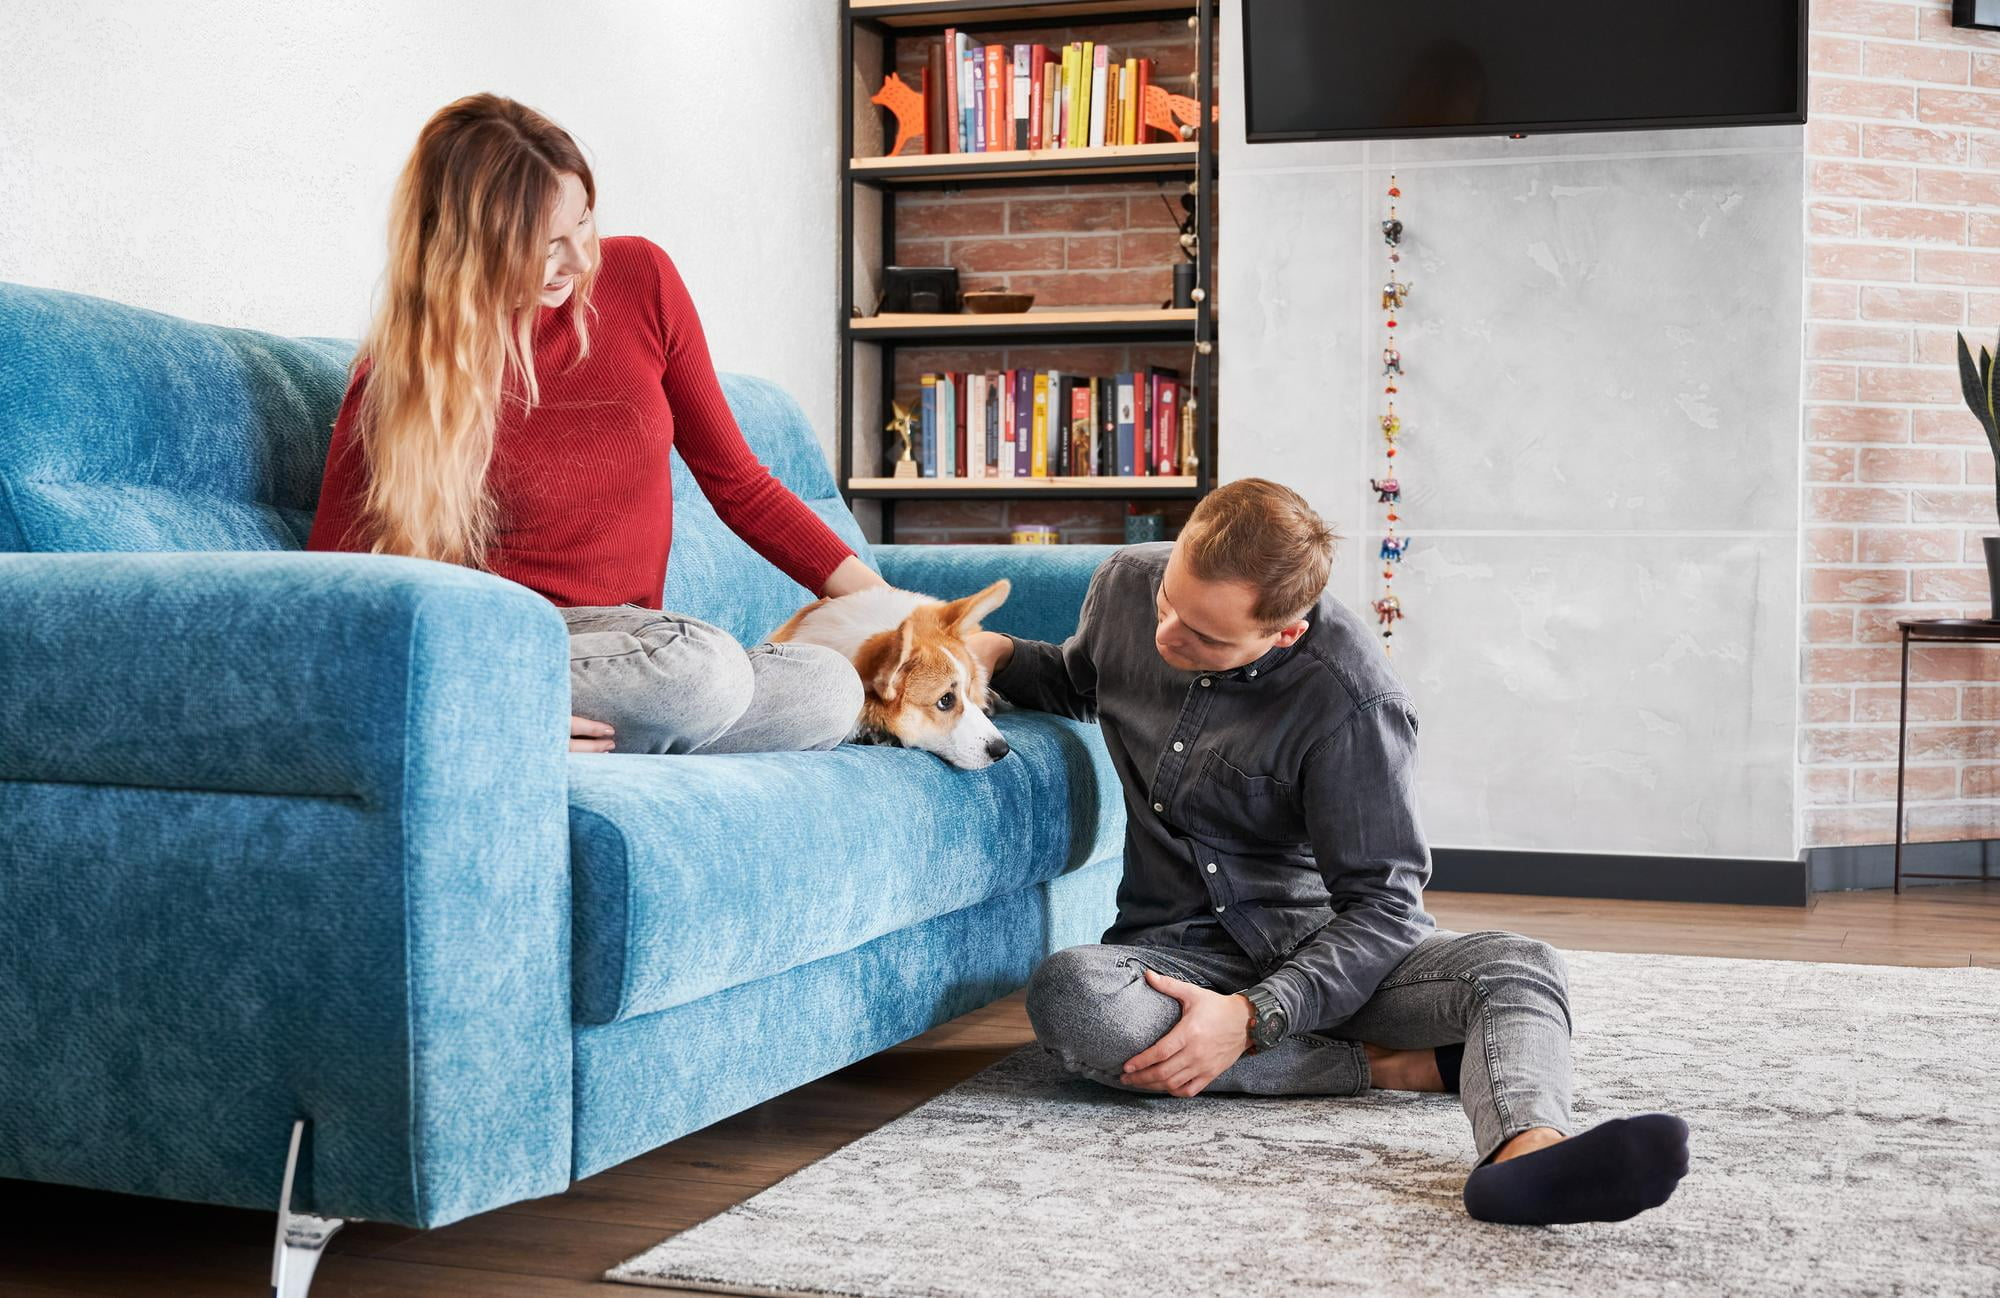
(294, 837)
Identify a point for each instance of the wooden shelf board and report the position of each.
(946, 168)
(941, 13)
(1026, 324)
(1098, 486)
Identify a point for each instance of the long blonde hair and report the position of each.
(467, 248)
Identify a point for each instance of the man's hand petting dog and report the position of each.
(1213, 1033)
(991, 648)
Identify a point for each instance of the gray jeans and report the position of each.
(1505, 996)
(667, 683)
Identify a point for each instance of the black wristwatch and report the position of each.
(1267, 1019)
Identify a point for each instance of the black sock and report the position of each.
(1449, 1060)
(1616, 1170)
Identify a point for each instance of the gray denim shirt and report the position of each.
(1277, 800)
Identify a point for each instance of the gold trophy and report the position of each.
(900, 426)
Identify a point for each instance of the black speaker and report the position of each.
(1983, 14)
(925, 290)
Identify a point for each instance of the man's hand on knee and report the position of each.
(1212, 1034)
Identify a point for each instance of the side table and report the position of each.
(1930, 630)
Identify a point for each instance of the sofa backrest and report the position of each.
(127, 429)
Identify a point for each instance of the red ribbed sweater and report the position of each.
(582, 482)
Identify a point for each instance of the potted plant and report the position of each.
(1977, 382)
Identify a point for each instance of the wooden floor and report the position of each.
(60, 1241)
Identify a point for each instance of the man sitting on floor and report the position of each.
(1271, 936)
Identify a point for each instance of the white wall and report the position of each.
(1599, 463)
(232, 162)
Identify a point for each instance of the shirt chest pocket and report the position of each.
(1226, 801)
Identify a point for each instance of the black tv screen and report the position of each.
(1366, 69)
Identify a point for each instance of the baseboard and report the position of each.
(1755, 881)
(1873, 865)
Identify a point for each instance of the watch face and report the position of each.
(1270, 1028)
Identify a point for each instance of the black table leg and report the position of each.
(1902, 726)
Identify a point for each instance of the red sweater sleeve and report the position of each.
(755, 505)
(342, 484)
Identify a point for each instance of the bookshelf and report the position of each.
(871, 185)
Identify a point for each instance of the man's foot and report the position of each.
(1614, 1171)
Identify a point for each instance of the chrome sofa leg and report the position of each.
(302, 1237)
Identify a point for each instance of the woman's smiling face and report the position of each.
(569, 243)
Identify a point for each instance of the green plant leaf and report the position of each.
(1978, 390)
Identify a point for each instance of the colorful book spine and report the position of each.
(954, 100)
(1141, 427)
(1024, 416)
(1123, 429)
(1039, 433)
(995, 83)
(1099, 67)
(975, 411)
(992, 426)
(1166, 421)
(978, 79)
(1023, 99)
(961, 408)
(927, 417)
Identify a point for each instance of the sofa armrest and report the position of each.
(1049, 581)
(286, 838)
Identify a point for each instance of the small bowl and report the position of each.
(994, 302)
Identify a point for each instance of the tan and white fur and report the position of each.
(922, 686)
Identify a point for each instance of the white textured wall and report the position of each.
(1599, 464)
(232, 162)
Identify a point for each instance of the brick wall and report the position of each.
(1097, 244)
(1903, 241)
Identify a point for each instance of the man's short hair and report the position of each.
(1264, 535)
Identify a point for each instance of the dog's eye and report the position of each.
(944, 703)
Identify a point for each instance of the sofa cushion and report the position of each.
(126, 429)
(696, 873)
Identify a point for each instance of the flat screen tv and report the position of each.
(1375, 69)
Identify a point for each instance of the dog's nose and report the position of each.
(996, 748)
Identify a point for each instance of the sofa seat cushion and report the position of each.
(697, 873)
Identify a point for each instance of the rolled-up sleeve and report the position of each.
(1358, 787)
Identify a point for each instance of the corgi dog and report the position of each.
(923, 688)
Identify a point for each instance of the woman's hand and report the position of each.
(850, 576)
(587, 736)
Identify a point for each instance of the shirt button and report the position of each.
(1220, 909)
(1178, 745)
(1211, 867)
(1253, 671)
(1204, 681)
(1158, 807)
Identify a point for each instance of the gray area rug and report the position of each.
(1846, 1140)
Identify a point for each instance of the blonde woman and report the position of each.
(511, 409)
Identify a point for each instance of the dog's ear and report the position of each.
(882, 658)
(964, 615)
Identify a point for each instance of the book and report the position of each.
(1036, 58)
(954, 57)
(993, 425)
(1068, 111)
(975, 413)
(978, 79)
(1166, 420)
(960, 408)
(998, 128)
(1107, 442)
(927, 437)
(937, 136)
(1039, 431)
(1024, 415)
(1022, 101)
(947, 420)
(1122, 429)
(1099, 82)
